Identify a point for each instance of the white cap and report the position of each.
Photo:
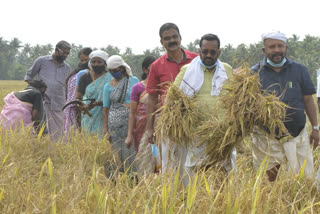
(274, 35)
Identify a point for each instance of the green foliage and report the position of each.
(16, 59)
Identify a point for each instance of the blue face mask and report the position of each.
(276, 65)
(208, 67)
(116, 74)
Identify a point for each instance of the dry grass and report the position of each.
(7, 86)
(37, 176)
(178, 117)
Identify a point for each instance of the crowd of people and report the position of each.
(102, 97)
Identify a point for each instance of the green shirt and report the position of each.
(205, 101)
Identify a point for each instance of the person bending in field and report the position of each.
(292, 83)
(23, 106)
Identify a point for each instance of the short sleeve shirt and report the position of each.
(318, 83)
(30, 95)
(79, 75)
(137, 90)
(290, 84)
(164, 71)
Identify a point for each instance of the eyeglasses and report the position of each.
(212, 52)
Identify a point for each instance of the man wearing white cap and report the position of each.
(292, 83)
(91, 87)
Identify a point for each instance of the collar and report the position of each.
(264, 63)
(206, 69)
(185, 57)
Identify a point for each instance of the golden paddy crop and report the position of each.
(38, 176)
(245, 108)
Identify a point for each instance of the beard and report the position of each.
(60, 59)
(208, 61)
(277, 57)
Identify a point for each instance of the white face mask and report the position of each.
(208, 66)
(276, 65)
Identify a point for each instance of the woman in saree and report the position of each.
(72, 116)
(116, 104)
(90, 90)
(138, 107)
(24, 106)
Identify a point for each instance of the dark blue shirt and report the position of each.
(290, 84)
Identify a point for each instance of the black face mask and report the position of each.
(98, 69)
(83, 66)
(60, 59)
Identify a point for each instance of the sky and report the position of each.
(136, 23)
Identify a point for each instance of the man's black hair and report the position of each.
(210, 37)
(168, 26)
(63, 45)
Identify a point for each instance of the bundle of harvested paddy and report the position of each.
(178, 117)
(246, 107)
(250, 106)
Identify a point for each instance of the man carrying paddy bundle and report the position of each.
(162, 72)
(291, 82)
(202, 80)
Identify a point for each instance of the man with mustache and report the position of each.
(53, 71)
(291, 82)
(203, 77)
(163, 71)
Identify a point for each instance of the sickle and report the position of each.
(80, 102)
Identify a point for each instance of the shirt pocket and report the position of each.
(292, 94)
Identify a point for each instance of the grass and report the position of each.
(38, 176)
(7, 86)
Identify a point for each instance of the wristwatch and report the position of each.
(315, 128)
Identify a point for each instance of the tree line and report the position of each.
(16, 59)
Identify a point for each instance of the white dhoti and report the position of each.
(293, 151)
(189, 158)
